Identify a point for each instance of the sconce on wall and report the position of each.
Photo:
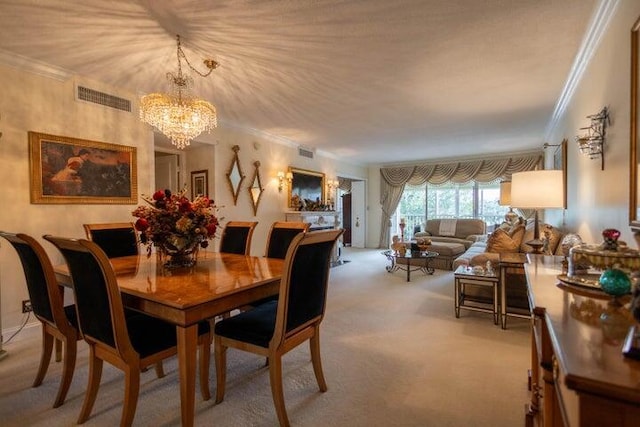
(592, 142)
(281, 177)
(332, 184)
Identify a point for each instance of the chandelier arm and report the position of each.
(210, 63)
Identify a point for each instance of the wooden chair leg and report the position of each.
(69, 363)
(131, 391)
(275, 377)
(95, 373)
(58, 350)
(45, 357)
(314, 345)
(205, 361)
(221, 369)
(159, 369)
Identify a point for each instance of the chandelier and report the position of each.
(179, 114)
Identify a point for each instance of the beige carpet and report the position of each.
(393, 353)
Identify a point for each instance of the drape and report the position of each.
(394, 179)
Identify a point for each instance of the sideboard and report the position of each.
(579, 376)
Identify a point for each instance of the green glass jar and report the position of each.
(615, 282)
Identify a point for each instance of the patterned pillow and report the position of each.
(501, 241)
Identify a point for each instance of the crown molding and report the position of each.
(33, 66)
(597, 27)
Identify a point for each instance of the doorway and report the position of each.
(167, 171)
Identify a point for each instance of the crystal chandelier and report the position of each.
(178, 114)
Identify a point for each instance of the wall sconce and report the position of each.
(281, 177)
(332, 184)
(592, 142)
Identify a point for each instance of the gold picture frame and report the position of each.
(199, 183)
(306, 185)
(67, 170)
(560, 163)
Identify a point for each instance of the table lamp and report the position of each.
(539, 189)
(505, 200)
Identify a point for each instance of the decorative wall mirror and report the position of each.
(255, 189)
(634, 202)
(235, 175)
(307, 189)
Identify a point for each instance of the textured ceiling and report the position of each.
(369, 81)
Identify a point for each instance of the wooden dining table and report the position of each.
(216, 284)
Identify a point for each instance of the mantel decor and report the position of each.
(180, 115)
(68, 170)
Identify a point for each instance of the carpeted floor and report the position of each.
(393, 355)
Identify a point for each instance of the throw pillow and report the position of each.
(501, 242)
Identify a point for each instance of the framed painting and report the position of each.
(199, 183)
(306, 189)
(68, 170)
(560, 163)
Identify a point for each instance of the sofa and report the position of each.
(509, 238)
(451, 238)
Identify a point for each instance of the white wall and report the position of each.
(31, 102)
(599, 199)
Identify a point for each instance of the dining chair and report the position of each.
(59, 322)
(236, 237)
(275, 327)
(280, 236)
(116, 239)
(128, 342)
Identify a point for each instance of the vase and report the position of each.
(179, 251)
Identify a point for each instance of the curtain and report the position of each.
(394, 179)
(391, 189)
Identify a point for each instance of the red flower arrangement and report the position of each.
(175, 224)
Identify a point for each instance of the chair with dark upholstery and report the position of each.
(128, 342)
(275, 327)
(116, 239)
(59, 323)
(281, 235)
(236, 237)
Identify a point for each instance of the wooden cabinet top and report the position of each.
(588, 350)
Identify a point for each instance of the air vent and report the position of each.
(90, 95)
(305, 152)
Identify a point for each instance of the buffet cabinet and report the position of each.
(579, 376)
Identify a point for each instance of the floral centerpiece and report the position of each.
(175, 225)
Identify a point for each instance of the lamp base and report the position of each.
(536, 244)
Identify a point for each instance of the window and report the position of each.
(470, 200)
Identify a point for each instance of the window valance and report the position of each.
(460, 172)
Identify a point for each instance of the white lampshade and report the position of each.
(537, 189)
(505, 193)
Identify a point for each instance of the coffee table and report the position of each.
(463, 277)
(411, 261)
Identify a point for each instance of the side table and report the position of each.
(463, 277)
(510, 262)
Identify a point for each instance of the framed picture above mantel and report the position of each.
(306, 190)
(67, 170)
